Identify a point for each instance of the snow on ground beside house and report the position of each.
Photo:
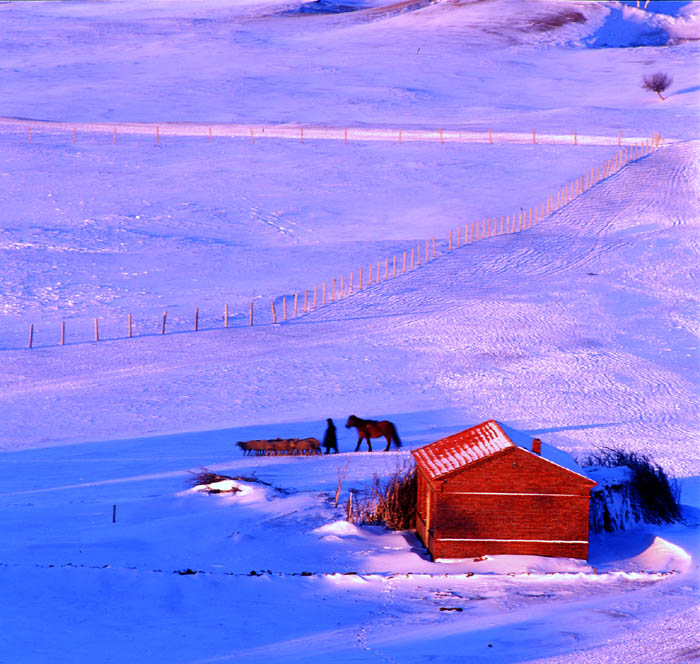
(581, 331)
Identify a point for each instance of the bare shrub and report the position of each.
(205, 476)
(341, 478)
(390, 502)
(651, 495)
(657, 82)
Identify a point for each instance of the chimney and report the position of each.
(537, 446)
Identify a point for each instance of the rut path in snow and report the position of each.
(301, 132)
(585, 323)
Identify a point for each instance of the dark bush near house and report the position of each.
(657, 82)
(646, 494)
(390, 502)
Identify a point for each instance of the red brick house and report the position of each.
(481, 492)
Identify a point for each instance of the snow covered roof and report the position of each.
(466, 447)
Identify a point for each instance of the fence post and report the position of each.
(252, 138)
(412, 252)
(226, 315)
(157, 134)
(323, 294)
(284, 303)
(210, 138)
(346, 137)
(74, 133)
(97, 330)
(441, 141)
(404, 263)
(418, 253)
(434, 252)
(296, 300)
(251, 312)
(533, 137)
(575, 138)
(196, 319)
(369, 276)
(449, 247)
(342, 286)
(165, 316)
(306, 306)
(333, 290)
(274, 314)
(31, 334)
(315, 291)
(490, 138)
(360, 287)
(63, 333)
(459, 237)
(350, 286)
(393, 274)
(129, 326)
(30, 140)
(114, 136)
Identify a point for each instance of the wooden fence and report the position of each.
(301, 133)
(289, 307)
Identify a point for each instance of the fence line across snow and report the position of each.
(303, 302)
(303, 133)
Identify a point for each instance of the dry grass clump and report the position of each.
(390, 502)
(205, 477)
(651, 493)
(556, 20)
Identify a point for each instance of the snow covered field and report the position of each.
(583, 329)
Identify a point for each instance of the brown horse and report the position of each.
(367, 429)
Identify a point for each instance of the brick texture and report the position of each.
(466, 505)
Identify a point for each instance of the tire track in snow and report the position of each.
(613, 361)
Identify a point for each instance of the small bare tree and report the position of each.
(341, 478)
(657, 82)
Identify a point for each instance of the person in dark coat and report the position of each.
(330, 440)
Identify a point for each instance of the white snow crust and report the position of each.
(582, 331)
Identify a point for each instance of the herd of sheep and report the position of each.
(281, 446)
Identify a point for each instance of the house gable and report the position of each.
(480, 492)
(516, 470)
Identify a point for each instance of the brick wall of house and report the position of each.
(468, 507)
(441, 549)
